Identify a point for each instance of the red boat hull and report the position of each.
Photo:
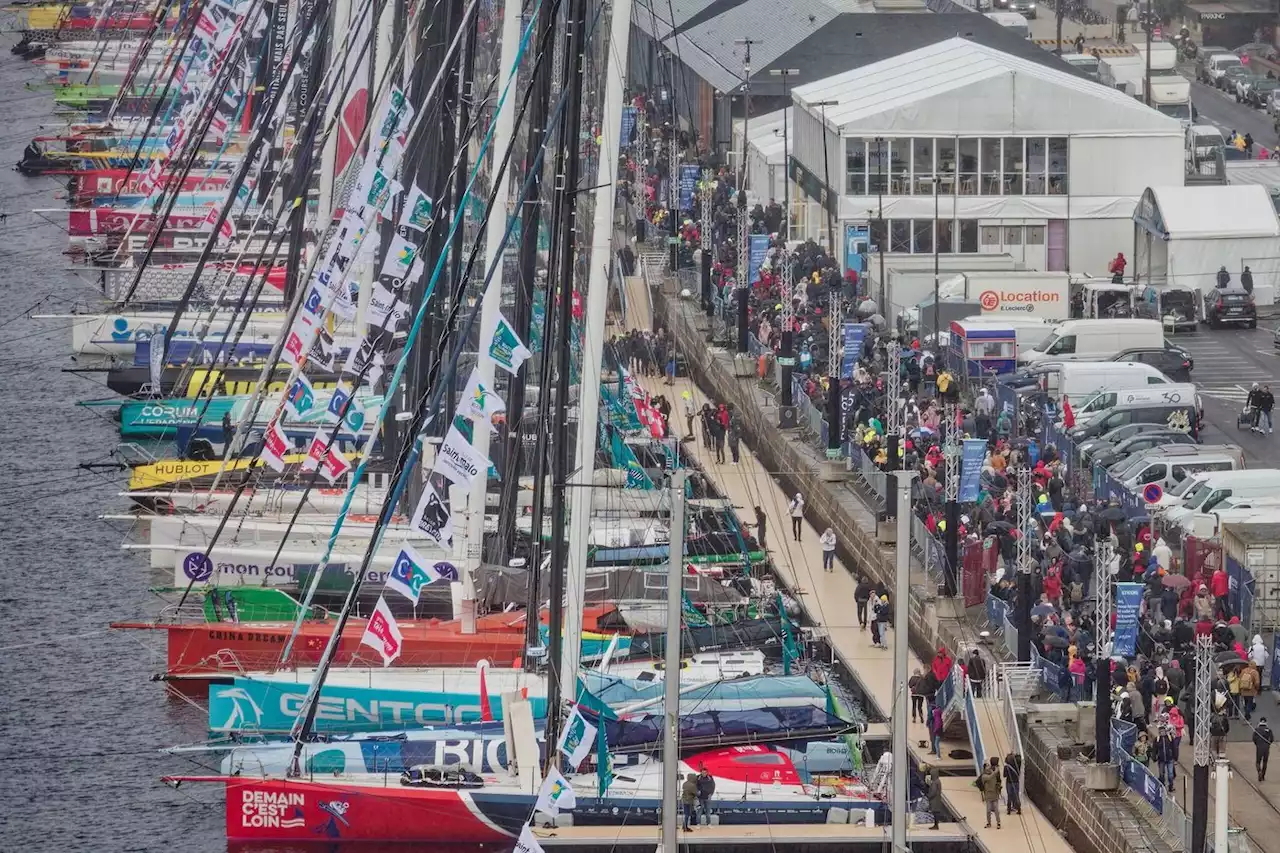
(312, 811)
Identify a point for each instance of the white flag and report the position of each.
(527, 843)
(504, 346)
(360, 355)
(275, 446)
(458, 461)
(383, 634)
(399, 258)
(300, 339)
(433, 517)
(385, 309)
(417, 210)
(478, 403)
(577, 739)
(335, 465)
(555, 794)
(316, 450)
(411, 572)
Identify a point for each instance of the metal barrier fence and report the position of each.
(1015, 733)
(975, 729)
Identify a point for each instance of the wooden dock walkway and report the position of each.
(827, 598)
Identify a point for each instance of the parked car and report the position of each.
(1025, 8)
(1086, 449)
(1204, 56)
(1260, 94)
(1217, 64)
(1273, 103)
(1226, 80)
(1108, 456)
(1172, 361)
(1230, 305)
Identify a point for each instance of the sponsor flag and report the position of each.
(316, 451)
(364, 354)
(577, 738)
(478, 403)
(314, 303)
(155, 352)
(301, 397)
(383, 634)
(335, 465)
(527, 842)
(417, 210)
(457, 461)
(594, 703)
(486, 710)
(433, 517)
(337, 400)
(399, 257)
(412, 572)
(504, 346)
(693, 617)
(555, 794)
(790, 651)
(275, 446)
(299, 341)
(385, 309)
(604, 763)
(324, 352)
(382, 191)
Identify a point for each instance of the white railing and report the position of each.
(1011, 722)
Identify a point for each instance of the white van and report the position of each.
(1205, 495)
(1168, 392)
(1081, 380)
(1095, 340)
(1233, 510)
(1169, 466)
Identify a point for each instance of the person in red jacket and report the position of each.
(941, 665)
(1116, 268)
(1219, 586)
(1068, 416)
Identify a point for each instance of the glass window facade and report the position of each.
(901, 165)
(917, 236)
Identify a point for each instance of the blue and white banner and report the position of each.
(854, 335)
(1128, 601)
(688, 183)
(759, 249)
(628, 125)
(971, 456)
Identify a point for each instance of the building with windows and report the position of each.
(961, 148)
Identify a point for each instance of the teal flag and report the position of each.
(604, 762)
(790, 651)
(625, 457)
(594, 703)
(692, 616)
(851, 741)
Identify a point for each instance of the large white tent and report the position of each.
(1183, 235)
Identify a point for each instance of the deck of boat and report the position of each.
(827, 598)
(821, 833)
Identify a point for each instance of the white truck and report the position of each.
(1164, 57)
(1255, 546)
(1125, 72)
(1171, 95)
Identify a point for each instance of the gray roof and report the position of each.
(706, 32)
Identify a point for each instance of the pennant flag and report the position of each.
(337, 401)
(316, 450)
(604, 763)
(335, 466)
(576, 739)
(433, 517)
(478, 403)
(527, 843)
(417, 210)
(504, 346)
(399, 257)
(275, 446)
(486, 710)
(457, 461)
(301, 397)
(412, 572)
(555, 794)
(383, 634)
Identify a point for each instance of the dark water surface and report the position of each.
(81, 724)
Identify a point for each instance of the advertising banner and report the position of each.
(972, 454)
(1128, 601)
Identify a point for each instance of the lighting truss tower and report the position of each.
(1102, 556)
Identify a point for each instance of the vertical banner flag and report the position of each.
(759, 250)
(974, 451)
(604, 763)
(383, 634)
(275, 446)
(504, 346)
(1128, 601)
(417, 210)
(628, 125)
(433, 517)
(689, 176)
(301, 397)
(457, 460)
(478, 403)
(854, 335)
(555, 794)
(577, 739)
(156, 359)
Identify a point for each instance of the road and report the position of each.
(1227, 363)
(1223, 111)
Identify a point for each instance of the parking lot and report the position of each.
(1227, 363)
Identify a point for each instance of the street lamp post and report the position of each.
(787, 355)
(884, 230)
(784, 73)
(826, 177)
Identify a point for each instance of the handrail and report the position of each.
(975, 730)
(1011, 726)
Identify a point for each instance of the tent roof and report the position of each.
(766, 135)
(957, 87)
(1230, 212)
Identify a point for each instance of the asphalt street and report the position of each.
(1222, 110)
(1227, 363)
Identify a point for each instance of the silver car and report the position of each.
(1273, 104)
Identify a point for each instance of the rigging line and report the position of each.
(269, 366)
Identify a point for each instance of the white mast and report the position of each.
(504, 127)
(597, 297)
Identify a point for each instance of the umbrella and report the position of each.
(1042, 609)
(1176, 581)
(867, 306)
(1228, 659)
(1056, 641)
(1114, 514)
